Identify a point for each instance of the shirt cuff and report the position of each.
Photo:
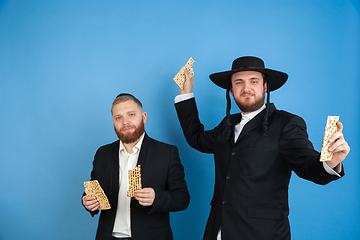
(331, 171)
(183, 97)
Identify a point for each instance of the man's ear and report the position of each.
(144, 115)
(265, 86)
(231, 89)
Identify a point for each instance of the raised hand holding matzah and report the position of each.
(188, 83)
(185, 77)
(339, 147)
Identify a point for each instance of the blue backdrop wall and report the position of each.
(63, 62)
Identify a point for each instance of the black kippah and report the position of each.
(124, 94)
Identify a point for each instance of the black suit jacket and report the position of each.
(252, 175)
(161, 170)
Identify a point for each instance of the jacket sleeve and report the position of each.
(92, 176)
(175, 197)
(298, 151)
(193, 129)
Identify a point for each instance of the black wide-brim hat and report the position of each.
(275, 78)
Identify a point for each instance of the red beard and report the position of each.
(130, 137)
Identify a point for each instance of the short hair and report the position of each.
(123, 97)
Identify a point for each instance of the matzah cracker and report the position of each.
(134, 181)
(330, 129)
(180, 76)
(93, 189)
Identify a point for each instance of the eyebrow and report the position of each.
(132, 111)
(241, 79)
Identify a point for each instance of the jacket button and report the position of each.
(228, 177)
(233, 154)
(224, 202)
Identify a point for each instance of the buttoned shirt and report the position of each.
(127, 161)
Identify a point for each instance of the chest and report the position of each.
(253, 155)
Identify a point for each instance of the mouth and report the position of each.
(127, 129)
(247, 95)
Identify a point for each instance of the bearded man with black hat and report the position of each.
(255, 152)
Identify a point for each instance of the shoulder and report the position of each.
(287, 119)
(233, 118)
(155, 149)
(285, 115)
(108, 147)
(156, 143)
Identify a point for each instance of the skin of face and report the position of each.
(129, 119)
(248, 90)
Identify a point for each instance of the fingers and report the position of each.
(145, 196)
(339, 146)
(337, 139)
(339, 126)
(340, 150)
(188, 84)
(91, 203)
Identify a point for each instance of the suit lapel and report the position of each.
(236, 119)
(255, 122)
(143, 152)
(115, 173)
(141, 161)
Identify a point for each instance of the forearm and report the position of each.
(298, 151)
(193, 129)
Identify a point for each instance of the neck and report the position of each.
(129, 146)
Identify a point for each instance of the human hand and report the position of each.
(188, 84)
(145, 196)
(90, 203)
(339, 147)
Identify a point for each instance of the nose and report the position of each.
(125, 120)
(246, 86)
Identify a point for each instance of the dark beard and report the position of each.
(250, 107)
(133, 137)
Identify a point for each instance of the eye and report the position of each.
(238, 82)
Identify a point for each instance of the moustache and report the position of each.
(247, 93)
(127, 127)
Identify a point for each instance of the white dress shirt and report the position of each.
(127, 161)
(245, 118)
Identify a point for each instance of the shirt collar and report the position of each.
(136, 148)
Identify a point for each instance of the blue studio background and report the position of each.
(63, 62)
